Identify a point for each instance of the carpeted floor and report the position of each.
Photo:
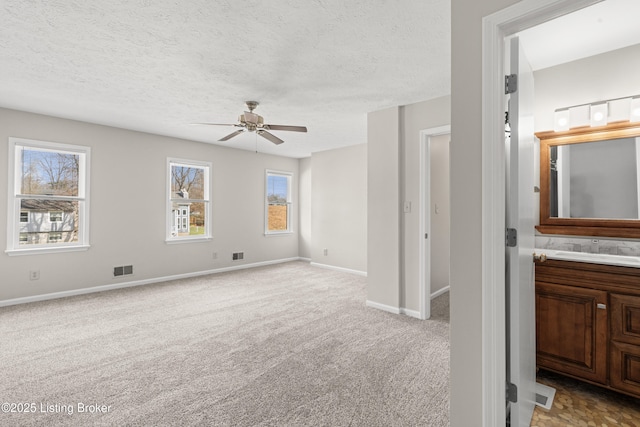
(284, 345)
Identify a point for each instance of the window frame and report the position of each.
(15, 196)
(289, 202)
(170, 216)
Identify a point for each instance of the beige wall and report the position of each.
(339, 208)
(304, 199)
(598, 78)
(440, 212)
(383, 207)
(128, 185)
(466, 208)
(415, 118)
(394, 177)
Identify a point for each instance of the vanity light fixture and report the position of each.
(634, 110)
(561, 120)
(599, 114)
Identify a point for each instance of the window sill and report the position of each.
(278, 233)
(188, 240)
(51, 250)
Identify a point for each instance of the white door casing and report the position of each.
(495, 28)
(425, 218)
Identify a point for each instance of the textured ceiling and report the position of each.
(159, 65)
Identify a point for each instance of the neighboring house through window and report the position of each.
(48, 188)
(188, 212)
(278, 202)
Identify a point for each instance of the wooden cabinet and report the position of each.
(571, 330)
(588, 323)
(625, 343)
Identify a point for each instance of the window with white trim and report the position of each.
(278, 202)
(188, 206)
(49, 192)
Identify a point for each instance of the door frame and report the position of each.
(424, 251)
(495, 28)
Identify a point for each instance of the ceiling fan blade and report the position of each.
(231, 135)
(287, 128)
(271, 137)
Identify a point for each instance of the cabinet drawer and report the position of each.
(625, 318)
(625, 367)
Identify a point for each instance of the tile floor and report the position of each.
(578, 404)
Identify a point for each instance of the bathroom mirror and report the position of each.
(589, 181)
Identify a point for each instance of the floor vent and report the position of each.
(544, 395)
(237, 256)
(125, 270)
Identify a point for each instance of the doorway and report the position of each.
(497, 27)
(434, 216)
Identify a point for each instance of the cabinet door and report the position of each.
(571, 330)
(625, 367)
(625, 318)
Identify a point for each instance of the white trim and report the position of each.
(289, 176)
(411, 313)
(425, 216)
(14, 193)
(441, 291)
(383, 307)
(495, 28)
(342, 269)
(102, 288)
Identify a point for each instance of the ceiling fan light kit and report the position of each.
(252, 122)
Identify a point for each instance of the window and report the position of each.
(55, 216)
(48, 189)
(278, 202)
(188, 206)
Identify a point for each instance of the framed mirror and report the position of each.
(590, 181)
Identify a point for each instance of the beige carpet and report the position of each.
(284, 345)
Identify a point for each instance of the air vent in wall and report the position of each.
(237, 256)
(122, 271)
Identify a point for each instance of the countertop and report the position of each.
(621, 260)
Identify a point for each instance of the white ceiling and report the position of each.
(159, 65)
(602, 27)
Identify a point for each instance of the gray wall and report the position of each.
(127, 226)
(304, 198)
(339, 208)
(440, 212)
(394, 177)
(383, 207)
(415, 118)
(466, 208)
(598, 78)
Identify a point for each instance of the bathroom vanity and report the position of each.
(588, 319)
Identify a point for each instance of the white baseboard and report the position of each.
(410, 313)
(342, 269)
(74, 292)
(403, 310)
(439, 292)
(383, 307)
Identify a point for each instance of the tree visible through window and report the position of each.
(188, 199)
(278, 197)
(50, 194)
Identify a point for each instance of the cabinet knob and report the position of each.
(541, 257)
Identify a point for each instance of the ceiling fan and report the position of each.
(252, 122)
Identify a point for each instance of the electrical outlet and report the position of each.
(215, 255)
(34, 275)
(326, 252)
